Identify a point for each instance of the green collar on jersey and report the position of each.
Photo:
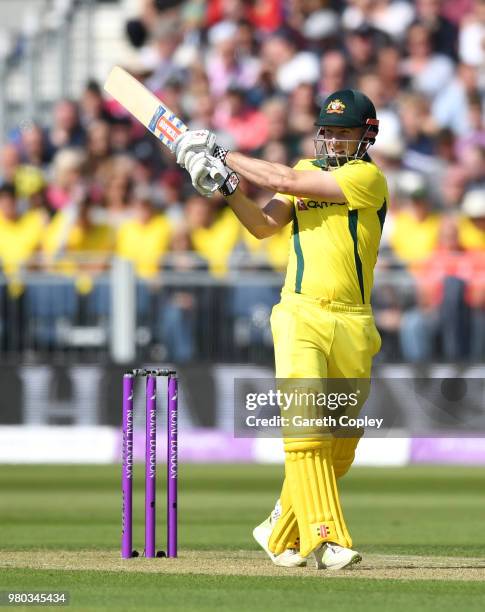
(320, 163)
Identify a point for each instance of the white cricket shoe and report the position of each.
(334, 557)
(288, 558)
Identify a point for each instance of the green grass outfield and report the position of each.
(420, 530)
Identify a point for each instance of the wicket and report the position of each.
(150, 462)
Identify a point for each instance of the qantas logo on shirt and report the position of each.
(302, 205)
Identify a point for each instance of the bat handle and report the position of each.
(216, 175)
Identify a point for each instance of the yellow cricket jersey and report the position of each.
(62, 243)
(274, 248)
(412, 239)
(144, 243)
(216, 243)
(19, 239)
(95, 239)
(335, 244)
(470, 236)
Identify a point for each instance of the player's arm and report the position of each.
(268, 175)
(281, 178)
(261, 222)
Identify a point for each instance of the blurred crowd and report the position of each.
(92, 183)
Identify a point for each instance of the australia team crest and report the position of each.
(336, 106)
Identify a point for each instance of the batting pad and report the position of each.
(285, 533)
(314, 495)
(343, 454)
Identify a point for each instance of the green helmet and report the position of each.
(347, 108)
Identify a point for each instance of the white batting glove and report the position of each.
(225, 178)
(196, 141)
(209, 174)
(199, 167)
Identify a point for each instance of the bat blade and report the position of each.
(144, 106)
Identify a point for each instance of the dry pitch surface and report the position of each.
(249, 563)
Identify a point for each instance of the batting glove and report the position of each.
(227, 180)
(200, 167)
(197, 141)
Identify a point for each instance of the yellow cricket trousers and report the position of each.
(318, 339)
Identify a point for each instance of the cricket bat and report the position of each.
(146, 107)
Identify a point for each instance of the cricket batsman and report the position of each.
(323, 327)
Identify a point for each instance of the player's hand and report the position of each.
(197, 141)
(199, 167)
(193, 141)
(209, 174)
(227, 180)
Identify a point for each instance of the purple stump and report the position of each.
(127, 469)
(150, 464)
(172, 466)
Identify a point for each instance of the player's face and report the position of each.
(342, 141)
(339, 144)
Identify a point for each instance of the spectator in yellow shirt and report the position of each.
(74, 244)
(145, 238)
(273, 250)
(20, 235)
(214, 233)
(471, 230)
(415, 229)
(26, 178)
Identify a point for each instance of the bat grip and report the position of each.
(216, 175)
